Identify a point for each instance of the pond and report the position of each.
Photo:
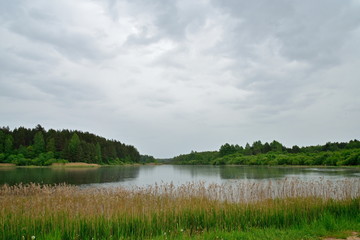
(177, 174)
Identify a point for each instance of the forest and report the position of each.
(275, 153)
(37, 146)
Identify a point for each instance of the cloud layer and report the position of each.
(174, 76)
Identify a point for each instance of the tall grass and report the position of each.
(69, 212)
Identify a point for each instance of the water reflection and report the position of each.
(264, 172)
(68, 175)
(145, 175)
(196, 171)
(258, 172)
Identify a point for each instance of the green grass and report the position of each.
(338, 227)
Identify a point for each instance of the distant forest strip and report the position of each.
(274, 153)
(25, 146)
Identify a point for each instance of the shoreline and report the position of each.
(74, 165)
(7, 165)
(94, 165)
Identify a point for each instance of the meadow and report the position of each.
(240, 210)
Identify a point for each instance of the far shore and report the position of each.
(7, 165)
(75, 164)
(94, 165)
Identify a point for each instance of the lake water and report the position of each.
(145, 175)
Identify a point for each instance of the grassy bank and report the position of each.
(7, 165)
(75, 164)
(189, 211)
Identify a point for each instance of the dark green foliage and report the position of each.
(276, 146)
(197, 158)
(39, 143)
(74, 151)
(147, 159)
(2, 140)
(227, 149)
(257, 147)
(331, 154)
(8, 144)
(248, 150)
(50, 146)
(37, 146)
(98, 157)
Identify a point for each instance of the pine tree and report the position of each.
(2, 141)
(98, 153)
(50, 146)
(74, 148)
(8, 145)
(39, 143)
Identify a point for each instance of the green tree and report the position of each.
(266, 148)
(74, 148)
(247, 150)
(39, 143)
(257, 147)
(98, 157)
(239, 149)
(295, 149)
(276, 146)
(8, 145)
(227, 149)
(2, 141)
(50, 146)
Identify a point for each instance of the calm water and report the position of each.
(144, 175)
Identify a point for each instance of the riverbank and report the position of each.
(74, 164)
(6, 165)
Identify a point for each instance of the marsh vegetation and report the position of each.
(165, 211)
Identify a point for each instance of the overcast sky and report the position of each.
(173, 76)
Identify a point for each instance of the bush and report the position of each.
(18, 159)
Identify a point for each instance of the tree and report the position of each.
(98, 157)
(8, 145)
(2, 141)
(266, 148)
(239, 149)
(295, 149)
(39, 128)
(39, 143)
(71, 145)
(50, 146)
(247, 150)
(74, 148)
(257, 147)
(19, 135)
(276, 146)
(227, 149)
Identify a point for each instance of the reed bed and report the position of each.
(69, 212)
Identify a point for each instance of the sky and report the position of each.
(174, 76)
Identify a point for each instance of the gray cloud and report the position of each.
(175, 76)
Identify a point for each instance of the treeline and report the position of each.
(275, 153)
(25, 146)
